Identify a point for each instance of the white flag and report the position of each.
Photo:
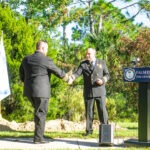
(4, 81)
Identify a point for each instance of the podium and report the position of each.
(141, 75)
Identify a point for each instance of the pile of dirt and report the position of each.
(51, 125)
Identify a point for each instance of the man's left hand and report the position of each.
(99, 81)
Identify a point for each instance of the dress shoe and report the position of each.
(86, 134)
(40, 141)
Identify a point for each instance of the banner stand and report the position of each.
(4, 79)
(0, 108)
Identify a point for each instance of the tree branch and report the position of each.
(132, 16)
(111, 1)
(128, 6)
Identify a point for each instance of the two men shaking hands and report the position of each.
(35, 71)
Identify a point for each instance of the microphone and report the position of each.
(135, 61)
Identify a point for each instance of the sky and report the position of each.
(140, 18)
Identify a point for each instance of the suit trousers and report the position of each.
(40, 111)
(89, 112)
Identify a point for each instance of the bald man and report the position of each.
(35, 71)
(95, 75)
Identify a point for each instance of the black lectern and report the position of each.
(142, 76)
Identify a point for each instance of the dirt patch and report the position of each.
(51, 125)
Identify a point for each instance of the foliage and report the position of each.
(111, 109)
(43, 12)
(138, 47)
(118, 109)
(126, 51)
(19, 39)
(17, 107)
(96, 24)
(63, 104)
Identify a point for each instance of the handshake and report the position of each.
(69, 78)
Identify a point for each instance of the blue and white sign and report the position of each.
(141, 74)
(4, 81)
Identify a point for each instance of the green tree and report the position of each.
(128, 49)
(96, 24)
(143, 8)
(19, 39)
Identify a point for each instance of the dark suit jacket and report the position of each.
(90, 75)
(35, 71)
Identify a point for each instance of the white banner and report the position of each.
(4, 81)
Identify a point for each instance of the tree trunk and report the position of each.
(91, 20)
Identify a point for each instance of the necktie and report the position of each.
(91, 66)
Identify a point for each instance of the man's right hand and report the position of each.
(71, 78)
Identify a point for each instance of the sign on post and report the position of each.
(136, 74)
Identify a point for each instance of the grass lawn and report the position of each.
(122, 130)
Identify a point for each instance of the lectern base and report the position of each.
(136, 143)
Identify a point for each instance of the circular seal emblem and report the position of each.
(129, 74)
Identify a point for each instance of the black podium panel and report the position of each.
(106, 135)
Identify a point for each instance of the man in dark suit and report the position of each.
(35, 71)
(95, 75)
